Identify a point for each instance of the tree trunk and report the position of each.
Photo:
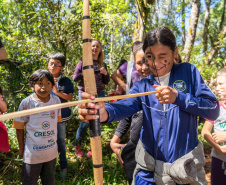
(139, 32)
(191, 33)
(112, 39)
(143, 11)
(222, 16)
(183, 21)
(206, 25)
(216, 47)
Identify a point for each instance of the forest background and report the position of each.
(32, 29)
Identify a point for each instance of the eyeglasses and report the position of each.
(54, 65)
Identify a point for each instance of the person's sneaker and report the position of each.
(78, 151)
(89, 154)
(63, 173)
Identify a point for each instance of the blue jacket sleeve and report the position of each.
(124, 108)
(201, 102)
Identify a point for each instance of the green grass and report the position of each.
(80, 170)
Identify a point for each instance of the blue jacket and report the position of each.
(179, 127)
(64, 85)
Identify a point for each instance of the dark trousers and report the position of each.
(128, 156)
(218, 167)
(46, 171)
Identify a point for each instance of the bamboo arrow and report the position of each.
(68, 104)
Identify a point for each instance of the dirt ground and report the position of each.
(208, 165)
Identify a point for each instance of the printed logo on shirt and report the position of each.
(45, 125)
(35, 105)
(179, 85)
(52, 114)
(44, 147)
(45, 114)
(44, 134)
(61, 88)
(25, 107)
(222, 125)
(222, 143)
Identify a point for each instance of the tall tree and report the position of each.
(206, 25)
(216, 47)
(223, 15)
(143, 9)
(183, 21)
(191, 33)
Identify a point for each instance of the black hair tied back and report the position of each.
(161, 35)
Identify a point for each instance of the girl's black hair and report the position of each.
(58, 56)
(39, 75)
(162, 35)
(178, 59)
(1, 90)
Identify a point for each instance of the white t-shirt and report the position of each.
(40, 130)
(220, 125)
(164, 81)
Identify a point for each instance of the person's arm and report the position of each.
(77, 76)
(223, 149)
(206, 134)
(219, 136)
(116, 147)
(120, 131)
(19, 124)
(201, 102)
(20, 138)
(123, 127)
(87, 111)
(110, 112)
(105, 76)
(68, 91)
(3, 53)
(63, 95)
(117, 78)
(3, 105)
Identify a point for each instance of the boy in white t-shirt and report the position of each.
(218, 139)
(38, 144)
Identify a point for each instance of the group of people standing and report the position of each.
(168, 150)
(163, 145)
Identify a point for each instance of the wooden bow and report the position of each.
(90, 87)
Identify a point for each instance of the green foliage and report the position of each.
(32, 29)
(216, 24)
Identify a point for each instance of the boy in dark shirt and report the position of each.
(64, 89)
